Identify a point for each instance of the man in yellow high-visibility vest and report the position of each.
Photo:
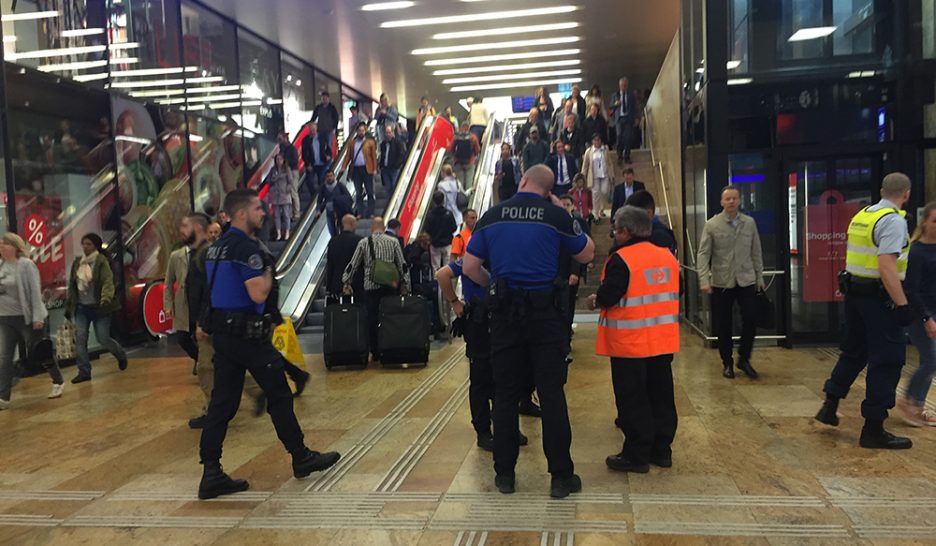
(876, 310)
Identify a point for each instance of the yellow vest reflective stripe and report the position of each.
(861, 259)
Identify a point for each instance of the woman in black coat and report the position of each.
(595, 123)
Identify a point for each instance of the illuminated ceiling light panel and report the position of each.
(205, 79)
(508, 77)
(90, 77)
(76, 32)
(490, 16)
(509, 85)
(29, 16)
(496, 45)
(501, 57)
(731, 65)
(236, 104)
(811, 33)
(740, 81)
(152, 83)
(503, 31)
(505, 67)
(159, 93)
(125, 45)
(153, 71)
(232, 96)
(381, 6)
(124, 60)
(80, 65)
(213, 89)
(60, 52)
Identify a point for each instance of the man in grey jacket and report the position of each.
(731, 269)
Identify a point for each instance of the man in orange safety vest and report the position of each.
(639, 329)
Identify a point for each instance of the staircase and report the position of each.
(645, 172)
(315, 320)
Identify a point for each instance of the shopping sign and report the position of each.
(826, 239)
(154, 316)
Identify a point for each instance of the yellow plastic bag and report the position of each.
(287, 343)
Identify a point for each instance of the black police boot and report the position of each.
(307, 461)
(301, 383)
(505, 484)
(560, 488)
(197, 422)
(729, 369)
(827, 413)
(622, 463)
(745, 366)
(530, 409)
(873, 436)
(663, 461)
(215, 482)
(486, 441)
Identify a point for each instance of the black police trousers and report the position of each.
(524, 342)
(643, 393)
(480, 374)
(234, 356)
(873, 338)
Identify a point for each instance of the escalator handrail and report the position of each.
(435, 170)
(413, 160)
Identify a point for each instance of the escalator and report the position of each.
(302, 294)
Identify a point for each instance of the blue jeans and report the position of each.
(477, 131)
(388, 177)
(919, 384)
(84, 317)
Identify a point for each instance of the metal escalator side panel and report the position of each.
(482, 196)
(413, 159)
(423, 200)
(440, 137)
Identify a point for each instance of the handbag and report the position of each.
(766, 311)
(65, 341)
(383, 273)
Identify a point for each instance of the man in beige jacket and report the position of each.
(731, 269)
(194, 230)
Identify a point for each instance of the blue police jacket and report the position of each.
(520, 238)
(237, 258)
(470, 289)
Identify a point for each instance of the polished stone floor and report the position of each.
(113, 461)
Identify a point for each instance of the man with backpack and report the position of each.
(465, 151)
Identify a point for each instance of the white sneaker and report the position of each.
(4, 404)
(57, 389)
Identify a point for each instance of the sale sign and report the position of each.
(154, 316)
(826, 240)
(36, 230)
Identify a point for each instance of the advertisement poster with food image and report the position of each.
(152, 180)
(217, 160)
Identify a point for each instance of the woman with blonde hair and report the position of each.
(22, 313)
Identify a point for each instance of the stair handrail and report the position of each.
(658, 164)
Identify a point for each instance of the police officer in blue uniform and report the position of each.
(521, 238)
(241, 316)
(472, 323)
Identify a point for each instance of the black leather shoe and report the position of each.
(80, 379)
(310, 461)
(662, 462)
(530, 409)
(745, 366)
(197, 422)
(486, 442)
(827, 414)
(215, 483)
(620, 463)
(122, 364)
(301, 383)
(560, 488)
(505, 484)
(729, 371)
(259, 405)
(883, 440)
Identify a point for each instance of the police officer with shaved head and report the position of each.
(520, 239)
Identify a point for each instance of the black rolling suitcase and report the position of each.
(403, 335)
(345, 341)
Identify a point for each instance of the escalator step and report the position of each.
(318, 305)
(315, 319)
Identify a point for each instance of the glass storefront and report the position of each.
(124, 116)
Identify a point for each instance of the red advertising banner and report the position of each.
(826, 239)
(440, 136)
(154, 316)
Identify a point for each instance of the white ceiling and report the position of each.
(618, 37)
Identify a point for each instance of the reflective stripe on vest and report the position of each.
(861, 258)
(645, 322)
